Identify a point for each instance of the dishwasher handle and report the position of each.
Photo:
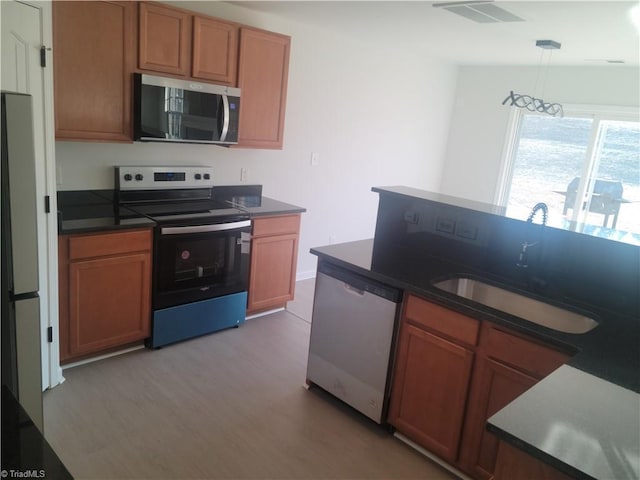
(360, 283)
(353, 290)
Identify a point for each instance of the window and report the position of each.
(585, 166)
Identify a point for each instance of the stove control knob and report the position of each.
(207, 176)
(139, 177)
(198, 176)
(127, 177)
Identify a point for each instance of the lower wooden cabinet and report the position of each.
(274, 255)
(452, 373)
(432, 376)
(497, 386)
(514, 464)
(105, 291)
(430, 390)
(506, 366)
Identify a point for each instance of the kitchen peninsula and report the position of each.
(569, 418)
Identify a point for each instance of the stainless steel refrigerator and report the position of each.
(21, 358)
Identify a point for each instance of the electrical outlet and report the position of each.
(244, 173)
(332, 239)
(315, 158)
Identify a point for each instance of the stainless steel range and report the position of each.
(201, 250)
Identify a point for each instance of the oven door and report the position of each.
(197, 262)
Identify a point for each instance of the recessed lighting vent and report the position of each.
(479, 11)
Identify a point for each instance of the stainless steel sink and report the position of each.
(527, 308)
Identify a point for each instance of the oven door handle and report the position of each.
(217, 227)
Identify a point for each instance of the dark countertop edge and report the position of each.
(71, 230)
(273, 207)
(439, 198)
(538, 454)
(24, 448)
(67, 227)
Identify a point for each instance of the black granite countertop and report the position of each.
(264, 206)
(85, 211)
(609, 352)
(25, 452)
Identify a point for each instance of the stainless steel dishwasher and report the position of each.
(352, 332)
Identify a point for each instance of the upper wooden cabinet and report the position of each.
(215, 50)
(263, 73)
(94, 55)
(95, 50)
(164, 39)
(175, 41)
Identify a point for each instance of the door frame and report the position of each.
(51, 370)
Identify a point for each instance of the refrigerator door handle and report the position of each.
(22, 296)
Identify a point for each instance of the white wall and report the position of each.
(479, 122)
(375, 116)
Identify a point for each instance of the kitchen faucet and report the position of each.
(539, 207)
(523, 261)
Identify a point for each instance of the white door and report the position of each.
(25, 29)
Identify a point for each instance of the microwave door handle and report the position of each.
(225, 122)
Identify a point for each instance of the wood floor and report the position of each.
(231, 405)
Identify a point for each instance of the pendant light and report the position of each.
(530, 102)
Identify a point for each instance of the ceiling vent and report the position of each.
(481, 11)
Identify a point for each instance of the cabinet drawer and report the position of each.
(442, 320)
(278, 225)
(103, 244)
(531, 357)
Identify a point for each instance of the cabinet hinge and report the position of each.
(47, 204)
(50, 334)
(43, 55)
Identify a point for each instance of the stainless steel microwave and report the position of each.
(173, 110)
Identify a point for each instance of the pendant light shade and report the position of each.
(530, 102)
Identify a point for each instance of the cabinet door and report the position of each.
(430, 390)
(262, 76)
(514, 464)
(94, 54)
(164, 39)
(494, 386)
(109, 302)
(215, 50)
(273, 271)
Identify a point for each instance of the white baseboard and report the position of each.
(305, 275)
(262, 314)
(102, 357)
(432, 457)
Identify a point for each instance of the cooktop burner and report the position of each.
(177, 211)
(173, 194)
